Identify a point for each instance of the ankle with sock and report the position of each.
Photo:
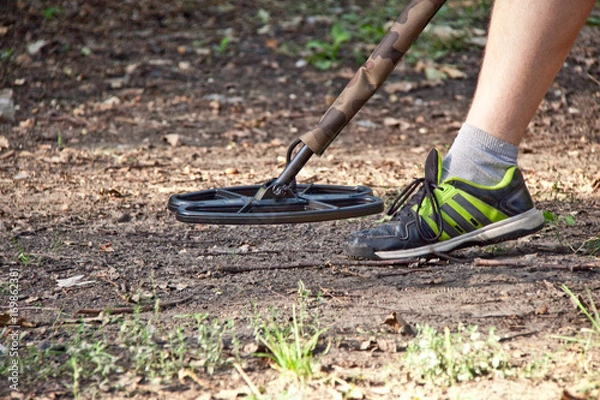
(478, 157)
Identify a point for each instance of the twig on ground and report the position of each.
(345, 270)
(596, 81)
(69, 118)
(484, 262)
(135, 166)
(568, 267)
(448, 257)
(248, 381)
(517, 335)
(106, 278)
(186, 373)
(240, 253)
(514, 263)
(237, 270)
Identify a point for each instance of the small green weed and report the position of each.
(50, 13)
(589, 338)
(6, 53)
(23, 256)
(291, 342)
(366, 26)
(591, 246)
(223, 45)
(57, 244)
(92, 359)
(447, 358)
(593, 21)
(325, 54)
(162, 361)
(290, 346)
(554, 219)
(537, 368)
(556, 223)
(210, 340)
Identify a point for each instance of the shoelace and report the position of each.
(402, 201)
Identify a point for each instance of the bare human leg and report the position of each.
(528, 42)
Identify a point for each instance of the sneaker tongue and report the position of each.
(433, 167)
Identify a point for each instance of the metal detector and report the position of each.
(282, 200)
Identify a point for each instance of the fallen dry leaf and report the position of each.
(72, 281)
(402, 87)
(567, 395)
(542, 311)
(399, 325)
(4, 143)
(27, 124)
(452, 72)
(365, 345)
(7, 320)
(390, 121)
(187, 373)
(392, 321)
(35, 47)
(435, 74)
(108, 247)
(355, 393)
(271, 43)
(110, 192)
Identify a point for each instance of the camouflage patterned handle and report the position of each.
(372, 73)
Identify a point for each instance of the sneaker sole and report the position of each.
(511, 228)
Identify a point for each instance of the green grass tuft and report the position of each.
(448, 358)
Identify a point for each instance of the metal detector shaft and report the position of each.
(365, 82)
(371, 75)
(294, 166)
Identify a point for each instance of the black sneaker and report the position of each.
(445, 216)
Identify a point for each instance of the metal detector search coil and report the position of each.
(307, 203)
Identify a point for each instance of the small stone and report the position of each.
(172, 139)
(123, 217)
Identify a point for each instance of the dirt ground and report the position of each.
(126, 103)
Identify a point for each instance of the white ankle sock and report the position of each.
(478, 157)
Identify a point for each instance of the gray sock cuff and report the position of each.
(469, 134)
